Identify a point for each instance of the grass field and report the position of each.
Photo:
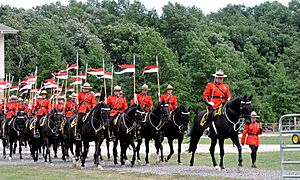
(51, 173)
(263, 140)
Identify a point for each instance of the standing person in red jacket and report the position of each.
(144, 100)
(11, 111)
(118, 104)
(250, 134)
(86, 101)
(71, 107)
(216, 93)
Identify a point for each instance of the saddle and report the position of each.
(215, 114)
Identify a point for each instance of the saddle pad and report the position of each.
(218, 112)
(10, 121)
(204, 118)
(31, 125)
(85, 117)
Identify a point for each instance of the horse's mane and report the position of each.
(234, 101)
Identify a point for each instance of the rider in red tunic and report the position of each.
(216, 93)
(43, 106)
(60, 105)
(169, 98)
(71, 107)
(252, 131)
(144, 100)
(11, 111)
(86, 101)
(118, 104)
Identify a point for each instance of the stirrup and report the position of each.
(36, 134)
(112, 138)
(78, 137)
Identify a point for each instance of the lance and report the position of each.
(158, 84)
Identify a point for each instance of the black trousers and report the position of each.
(253, 153)
(80, 121)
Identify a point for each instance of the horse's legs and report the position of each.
(138, 146)
(235, 140)
(147, 150)
(97, 152)
(107, 146)
(4, 147)
(161, 148)
(134, 153)
(170, 142)
(221, 145)
(213, 143)
(15, 146)
(11, 143)
(55, 146)
(123, 152)
(195, 137)
(20, 148)
(180, 139)
(63, 149)
(78, 150)
(115, 152)
(85, 152)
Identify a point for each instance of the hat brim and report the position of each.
(255, 116)
(217, 75)
(87, 87)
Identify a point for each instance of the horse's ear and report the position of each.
(189, 109)
(245, 97)
(251, 96)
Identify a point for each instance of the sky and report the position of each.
(207, 6)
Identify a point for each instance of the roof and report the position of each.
(7, 30)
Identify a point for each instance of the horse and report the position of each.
(176, 129)
(92, 130)
(50, 131)
(16, 132)
(34, 142)
(106, 137)
(224, 126)
(151, 128)
(125, 131)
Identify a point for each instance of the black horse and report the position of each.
(152, 128)
(50, 131)
(125, 132)
(35, 142)
(16, 132)
(106, 137)
(176, 129)
(224, 126)
(92, 130)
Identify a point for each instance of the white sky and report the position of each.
(207, 6)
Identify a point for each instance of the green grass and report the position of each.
(52, 173)
(262, 139)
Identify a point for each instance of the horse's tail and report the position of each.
(195, 133)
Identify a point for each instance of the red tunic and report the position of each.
(117, 104)
(86, 101)
(171, 100)
(217, 93)
(43, 107)
(252, 131)
(11, 109)
(70, 107)
(59, 107)
(144, 101)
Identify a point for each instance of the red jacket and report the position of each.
(43, 107)
(252, 131)
(217, 93)
(117, 104)
(171, 100)
(144, 101)
(70, 108)
(59, 107)
(11, 109)
(86, 101)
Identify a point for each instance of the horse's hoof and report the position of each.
(127, 163)
(139, 162)
(4, 157)
(166, 159)
(10, 158)
(100, 167)
(148, 164)
(51, 164)
(82, 167)
(180, 164)
(218, 168)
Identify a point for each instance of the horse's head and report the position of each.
(104, 111)
(57, 117)
(184, 117)
(162, 110)
(139, 113)
(246, 107)
(20, 121)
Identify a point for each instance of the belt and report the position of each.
(217, 97)
(117, 109)
(251, 134)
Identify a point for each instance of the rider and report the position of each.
(216, 93)
(2, 108)
(60, 105)
(169, 98)
(118, 104)
(144, 100)
(86, 101)
(42, 107)
(11, 111)
(71, 107)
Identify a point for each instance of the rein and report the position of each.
(160, 125)
(92, 123)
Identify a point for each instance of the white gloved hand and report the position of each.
(211, 103)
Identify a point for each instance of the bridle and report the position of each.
(161, 123)
(98, 120)
(180, 127)
(133, 121)
(242, 105)
(55, 123)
